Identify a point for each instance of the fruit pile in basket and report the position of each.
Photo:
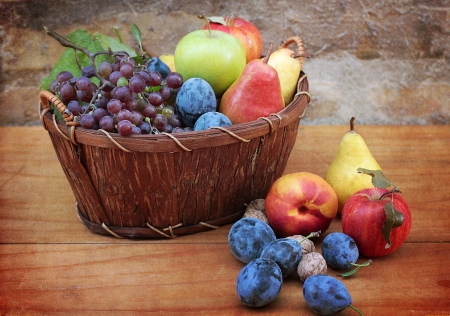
(217, 76)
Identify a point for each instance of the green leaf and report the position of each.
(109, 42)
(137, 34)
(393, 219)
(217, 19)
(378, 178)
(67, 60)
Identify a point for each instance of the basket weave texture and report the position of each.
(165, 186)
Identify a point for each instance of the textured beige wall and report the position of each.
(385, 62)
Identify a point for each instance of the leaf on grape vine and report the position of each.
(217, 19)
(95, 43)
(378, 178)
(137, 34)
(393, 219)
(109, 42)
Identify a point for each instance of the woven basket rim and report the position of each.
(188, 140)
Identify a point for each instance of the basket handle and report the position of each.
(46, 97)
(300, 47)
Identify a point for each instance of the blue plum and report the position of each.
(195, 97)
(287, 253)
(156, 64)
(325, 294)
(340, 250)
(248, 237)
(210, 119)
(259, 282)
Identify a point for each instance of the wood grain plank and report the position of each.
(200, 279)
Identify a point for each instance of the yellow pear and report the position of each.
(288, 65)
(288, 69)
(168, 59)
(342, 174)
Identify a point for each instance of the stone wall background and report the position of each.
(385, 62)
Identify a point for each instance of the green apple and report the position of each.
(216, 57)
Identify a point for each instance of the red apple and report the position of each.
(243, 30)
(300, 203)
(364, 215)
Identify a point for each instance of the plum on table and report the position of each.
(248, 237)
(326, 295)
(259, 282)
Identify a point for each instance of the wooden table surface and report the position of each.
(50, 263)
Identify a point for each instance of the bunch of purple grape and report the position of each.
(129, 99)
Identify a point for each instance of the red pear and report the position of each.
(256, 93)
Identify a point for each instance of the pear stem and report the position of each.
(269, 52)
(352, 123)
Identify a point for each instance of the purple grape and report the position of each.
(124, 114)
(149, 111)
(145, 128)
(87, 121)
(165, 92)
(160, 122)
(175, 120)
(178, 130)
(83, 84)
(64, 76)
(137, 84)
(98, 114)
(67, 92)
(136, 118)
(155, 98)
(174, 80)
(102, 103)
(114, 106)
(167, 129)
(83, 96)
(131, 105)
(122, 93)
(127, 69)
(74, 107)
(155, 79)
(146, 75)
(106, 123)
(54, 86)
(88, 71)
(135, 130)
(124, 127)
(114, 77)
(104, 69)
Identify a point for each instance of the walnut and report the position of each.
(258, 204)
(311, 263)
(256, 214)
(307, 244)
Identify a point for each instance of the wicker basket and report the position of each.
(165, 186)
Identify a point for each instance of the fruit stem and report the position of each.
(352, 123)
(269, 52)
(311, 235)
(204, 17)
(357, 310)
(358, 266)
(394, 190)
